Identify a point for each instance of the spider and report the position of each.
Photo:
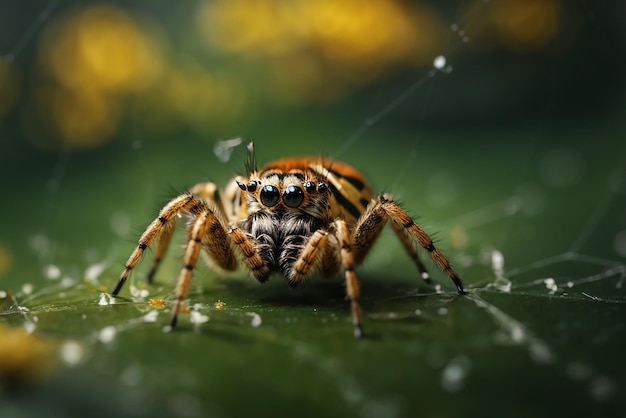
(296, 216)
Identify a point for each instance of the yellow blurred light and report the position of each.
(346, 30)
(85, 118)
(24, 357)
(526, 24)
(318, 50)
(351, 30)
(303, 78)
(9, 86)
(117, 51)
(96, 56)
(257, 27)
(195, 96)
(101, 48)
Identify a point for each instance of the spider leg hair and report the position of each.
(205, 230)
(308, 258)
(163, 243)
(410, 249)
(344, 236)
(371, 223)
(250, 255)
(162, 224)
(201, 197)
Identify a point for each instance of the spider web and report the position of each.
(551, 238)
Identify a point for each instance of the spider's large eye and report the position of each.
(293, 196)
(269, 195)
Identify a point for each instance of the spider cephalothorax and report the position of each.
(295, 216)
(282, 210)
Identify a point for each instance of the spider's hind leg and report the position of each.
(403, 221)
(371, 223)
(401, 233)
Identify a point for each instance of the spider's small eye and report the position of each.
(321, 187)
(241, 185)
(270, 195)
(309, 186)
(293, 196)
(252, 186)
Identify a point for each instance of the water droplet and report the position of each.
(104, 300)
(30, 327)
(454, 374)
(198, 318)
(52, 272)
(71, 353)
(94, 271)
(439, 62)
(151, 316)
(27, 288)
(256, 319)
(107, 334)
(551, 284)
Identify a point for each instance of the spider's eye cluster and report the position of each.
(311, 187)
(293, 196)
(269, 195)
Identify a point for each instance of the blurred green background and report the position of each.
(511, 154)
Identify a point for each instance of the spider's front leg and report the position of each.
(348, 263)
(162, 228)
(206, 232)
(162, 225)
(208, 192)
(309, 259)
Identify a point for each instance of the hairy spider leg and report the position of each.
(209, 193)
(371, 223)
(410, 249)
(341, 246)
(185, 202)
(163, 242)
(308, 258)
(251, 256)
(347, 262)
(208, 232)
